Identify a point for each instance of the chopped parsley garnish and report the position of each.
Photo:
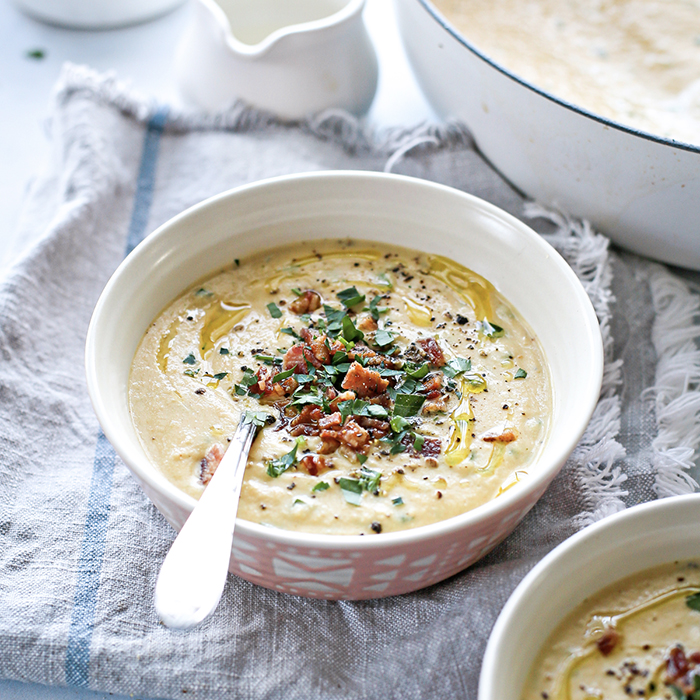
(282, 376)
(290, 331)
(456, 366)
(351, 489)
(490, 330)
(418, 443)
(350, 333)
(369, 479)
(408, 404)
(267, 359)
(358, 407)
(374, 309)
(36, 54)
(191, 372)
(398, 501)
(259, 418)
(383, 338)
(520, 374)
(321, 486)
(203, 293)
(189, 360)
(399, 423)
(296, 291)
(418, 372)
(278, 466)
(274, 310)
(350, 297)
(694, 695)
(219, 376)
(361, 458)
(224, 351)
(237, 261)
(693, 601)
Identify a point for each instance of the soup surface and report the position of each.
(639, 638)
(404, 389)
(634, 61)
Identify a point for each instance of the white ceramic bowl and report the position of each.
(652, 534)
(96, 14)
(372, 206)
(641, 190)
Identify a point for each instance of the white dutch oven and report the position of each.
(642, 191)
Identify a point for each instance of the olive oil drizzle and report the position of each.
(460, 440)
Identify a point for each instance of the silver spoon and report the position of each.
(193, 575)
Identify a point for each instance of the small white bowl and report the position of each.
(629, 542)
(376, 207)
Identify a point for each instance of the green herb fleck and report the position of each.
(296, 291)
(290, 331)
(201, 292)
(191, 372)
(376, 310)
(237, 261)
(399, 423)
(274, 310)
(351, 489)
(189, 360)
(280, 465)
(36, 54)
(456, 366)
(520, 374)
(219, 376)
(418, 372)
(408, 404)
(224, 351)
(369, 479)
(350, 333)
(267, 359)
(693, 601)
(321, 486)
(398, 501)
(259, 418)
(282, 376)
(418, 443)
(350, 297)
(383, 338)
(361, 458)
(490, 330)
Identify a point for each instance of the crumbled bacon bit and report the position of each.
(507, 435)
(431, 446)
(367, 323)
(306, 423)
(343, 396)
(377, 428)
(306, 303)
(432, 385)
(211, 460)
(607, 642)
(350, 434)
(364, 382)
(676, 664)
(313, 464)
(439, 404)
(434, 352)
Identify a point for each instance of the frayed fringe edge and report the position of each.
(598, 450)
(676, 392)
(333, 125)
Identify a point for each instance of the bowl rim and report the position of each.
(607, 526)
(514, 497)
(619, 126)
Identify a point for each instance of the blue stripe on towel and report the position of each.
(77, 666)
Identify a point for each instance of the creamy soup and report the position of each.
(633, 61)
(403, 388)
(639, 638)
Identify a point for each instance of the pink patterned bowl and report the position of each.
(373, 206)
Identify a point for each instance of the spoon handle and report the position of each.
(194, 572)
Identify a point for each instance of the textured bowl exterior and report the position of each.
(621, 545)
(375, 207)
(641, 190)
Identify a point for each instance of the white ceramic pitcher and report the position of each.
(291, 57)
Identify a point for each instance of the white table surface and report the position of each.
(141, 55)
